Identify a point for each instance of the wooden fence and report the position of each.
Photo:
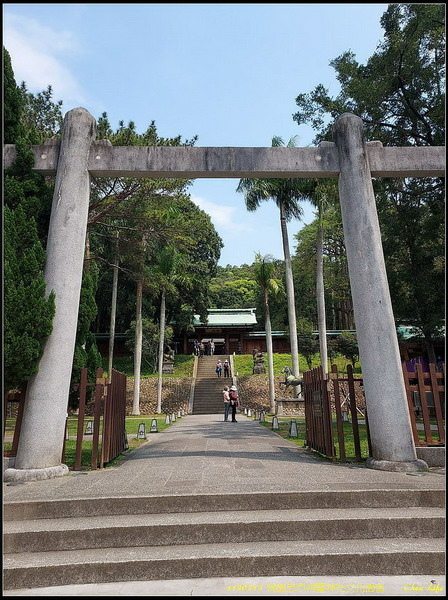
(337, 396)
(109, 412)
(426, 397)
(328, 402)
(318, 435)
(109, 419)
(347, 392)
(19, 398)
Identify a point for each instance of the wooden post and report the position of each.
(81, 413)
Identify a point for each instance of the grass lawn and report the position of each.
(283, 431)
(244, 363)
(183, 366)
(132, 423)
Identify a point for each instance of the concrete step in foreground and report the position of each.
(372, 532)
(251, 559)
(77, 533)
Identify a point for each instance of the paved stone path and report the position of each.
(201, 454)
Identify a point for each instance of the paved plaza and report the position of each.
(202, 454)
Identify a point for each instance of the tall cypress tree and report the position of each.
(13, 99)
(28, 310)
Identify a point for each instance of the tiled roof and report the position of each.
(228, 317)
(408, 332)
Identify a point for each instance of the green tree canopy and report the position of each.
(29, 311)
(400, 95)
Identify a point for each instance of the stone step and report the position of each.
(193, 503)
(213, 397)
(111, 531)
(216, 386)
(206, 411)
(216, 382)
(368, 532)
(249, 559)
(205, 399)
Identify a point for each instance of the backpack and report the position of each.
(233, 396)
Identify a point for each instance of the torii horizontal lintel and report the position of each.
(183, 162)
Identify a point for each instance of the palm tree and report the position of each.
(287, 194)
(325, 193)
(138, 345)
(167, 272)
(113, 311)
(320, 194)
(263, 274)
(137, 348)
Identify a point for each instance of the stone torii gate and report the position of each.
(78, 156)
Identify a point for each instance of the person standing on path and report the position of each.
(234, 402)
(218, 368)
(226, 396)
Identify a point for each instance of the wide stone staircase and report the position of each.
(208, 387)
(302, 533)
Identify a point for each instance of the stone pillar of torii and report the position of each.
(349, 158)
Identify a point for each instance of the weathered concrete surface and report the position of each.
(202, 464)
(201, 454)
(40, 447)
(403, 585)
(218, 162)
(432, 455)
(389, 422)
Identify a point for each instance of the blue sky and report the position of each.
(228, 73)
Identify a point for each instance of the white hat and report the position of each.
(233, 388)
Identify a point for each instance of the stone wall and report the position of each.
(344, 390)
(175, 394)
(253, 391)
(254, 394)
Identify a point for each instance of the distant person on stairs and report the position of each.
(225, 393)
(218, 368)
(226, 368)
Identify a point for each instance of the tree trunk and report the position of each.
(291, 301)
(430, 349)
(113, 312)
(270, 356)
(138, 350)
(86, 264)
(333, 310)
(320, 292)
(161, 344)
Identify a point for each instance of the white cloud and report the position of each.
(222, 216)
(37, 56)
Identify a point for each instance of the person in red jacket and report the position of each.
(234, 402)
